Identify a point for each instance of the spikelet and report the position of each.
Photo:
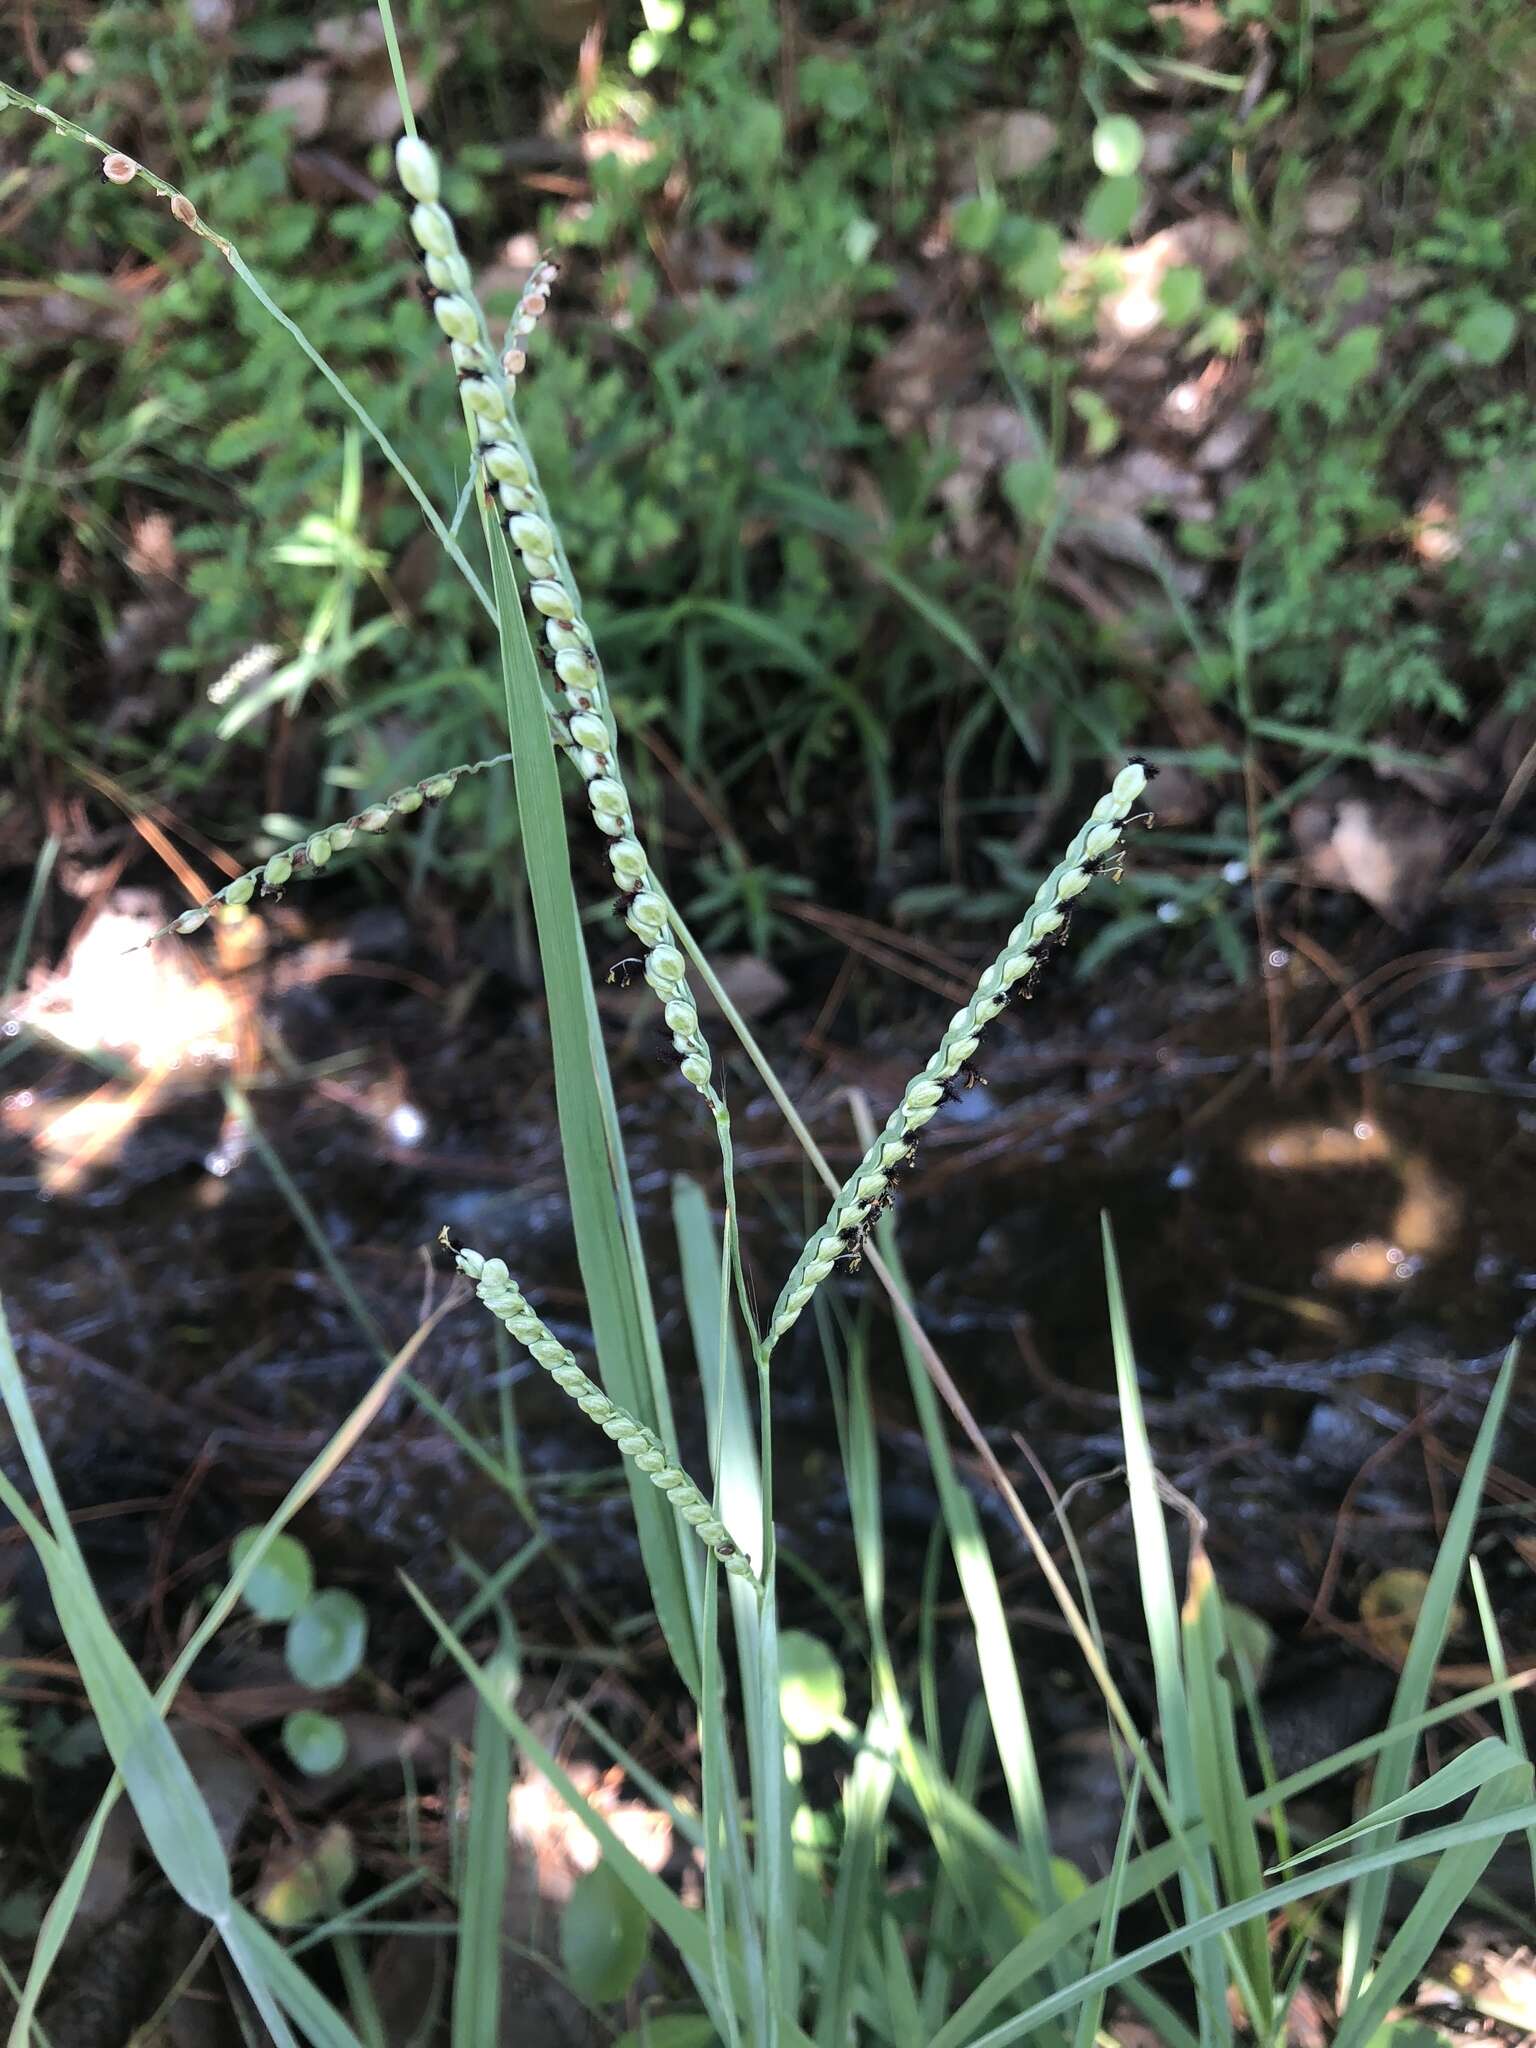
(307, 856)
(1040, 931)
(498, 1291)
(485, 389)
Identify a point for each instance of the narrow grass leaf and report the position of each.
(984, 1603)
(1509, 1713)
(1148, 1870)
(866, 1797)
(165, 1795)
(684, 1929)
(906, 2021)
(1160, 1605)
(483, 1878)
(1087, 2028)
(1362, 1925)
(739, 1480)
(1208, 1655)
(1464, 1774)
(296, 1992)
(602, 1210)
(66, 1900)
(1451, 1877)
(1487, 1827)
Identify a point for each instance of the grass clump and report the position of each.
(884, 1902)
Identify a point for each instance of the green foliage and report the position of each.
(283, 1579)
(13, 1736)
(811, 1699)
(1491, 570)
(324, 1642)
(316, 1742)
(326, 1639)
(726, 477)
(604, 1937)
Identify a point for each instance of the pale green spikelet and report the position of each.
(1042, 928)
(308, 856)
(498, 1291)
(512, 488)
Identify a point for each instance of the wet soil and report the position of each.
(1321, 1195)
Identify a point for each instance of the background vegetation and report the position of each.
(937, 396)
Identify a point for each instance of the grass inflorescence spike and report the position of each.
(499, 1292)
(1039, 933)
(307, 856)
(486, 386)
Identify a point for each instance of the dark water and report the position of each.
(1324, 1223)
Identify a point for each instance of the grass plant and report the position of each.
(901, 1909)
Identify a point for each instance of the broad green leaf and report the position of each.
(811, 1695)
(1486, 332)
(974, 222)
(316, 1742)
(1181, 293)
(1118, 144)
(1034, 264)
(1112, 206)
(282, 1579)
(309, 1881)
(326, 1639)
(604, 1936)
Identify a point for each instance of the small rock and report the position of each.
(1227, 443)
(305, 98)
(1004, 145)
(754, 986)
(1024, 140)
(1163, 139)
(1332, 206)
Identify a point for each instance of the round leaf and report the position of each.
(810, 1686)
(283, 1580)
(1181, 293)
(326, 1639)
(974, 222)
(303, 1883)
(1034, 264)
(316, 1742)
(1485, 333)
(1111, 208)
(1390, 1606)
(603, 1937)
(1117, 145)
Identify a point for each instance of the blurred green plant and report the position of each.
(325, 1638)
